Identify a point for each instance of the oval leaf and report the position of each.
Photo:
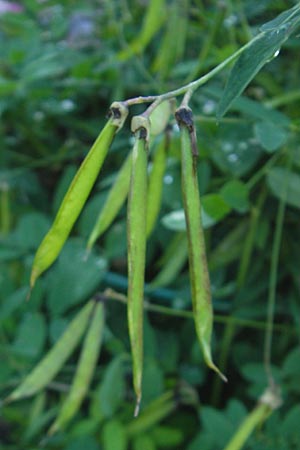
(285, 185)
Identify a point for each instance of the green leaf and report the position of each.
(13, 302)
(165, 436)
(270, 136)
(175, 220)
(80, 442)
(214, 209)
(111, 391)
(213, 420)
(57, 327)
(235, 193)
(114, 436)
(235, 150)
(249, 107)
(30, 336)
(30, 230)
(291, 366)
(7, 87)
(290, 424)
(283, 18)
(285, 185)
(153, 381)
(75, 276)
(143, 441)
(262, 49)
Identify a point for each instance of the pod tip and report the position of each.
(87, 253)
(52, 430)
(217, 370)
(137, 406)
(33, 277)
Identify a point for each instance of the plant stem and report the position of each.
(256, 324)
(249, 240)
(207, 45)
(262, 171)
(284, 99)
(273, 284)
(193, 85)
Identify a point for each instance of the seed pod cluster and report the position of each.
(144, 201)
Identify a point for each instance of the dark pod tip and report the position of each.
(184, 116)
(143, 133)
(100, 298)
(114, 112)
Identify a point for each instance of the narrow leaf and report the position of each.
(283, 18)
(262, 50)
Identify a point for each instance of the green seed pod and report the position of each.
(51, 364)
(114, 201)
(77, 194)
(160, 117)
(199, 277)
(85, 369)
(136, 229)
(156, 179)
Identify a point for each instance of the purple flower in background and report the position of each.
(10, 7)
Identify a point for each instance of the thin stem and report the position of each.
(152, 107)
(261, 172)
(249, 240)
(206, 119)
(285, 99)
(186, 98)
(273, 285)
(256, 324)
(207, 45)
(194, 85)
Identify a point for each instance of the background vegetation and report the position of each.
(62, 64)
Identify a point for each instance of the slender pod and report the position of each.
(199, 277)
(114, 201)
(77, 194)
(50, 365)
(156, 179)
(136, 229)
(85, 369)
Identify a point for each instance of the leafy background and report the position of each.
(62, 64)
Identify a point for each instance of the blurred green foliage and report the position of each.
(61, 65)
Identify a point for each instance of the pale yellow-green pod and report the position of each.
(136, 238)
(156, 179)
(51, 364)
(77, 194)
(113, 203)
(199, 276)
(85, 369)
